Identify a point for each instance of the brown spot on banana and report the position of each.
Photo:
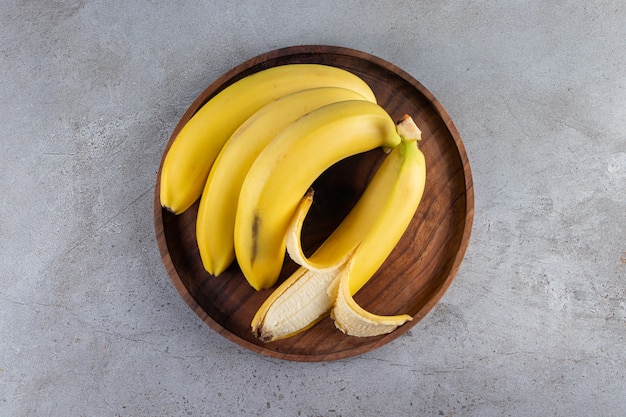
(255, 232)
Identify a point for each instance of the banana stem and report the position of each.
(408, 130)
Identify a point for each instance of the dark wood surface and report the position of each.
(418, 271)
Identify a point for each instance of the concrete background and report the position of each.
(533, 325)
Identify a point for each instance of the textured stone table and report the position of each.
(534, 323)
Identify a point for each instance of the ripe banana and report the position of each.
(380, 217)
(218, 203)
(192, 153)
(366, 237)
(287, 167)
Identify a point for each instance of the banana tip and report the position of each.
(168, 209)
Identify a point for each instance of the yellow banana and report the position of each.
(218, 203)
(366, 236)
(376, 223)
(188, 161)
(287, 167)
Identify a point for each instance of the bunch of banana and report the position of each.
(251, 153)
(287, 167)
(192, 153)
(218, 203)
(351, 254)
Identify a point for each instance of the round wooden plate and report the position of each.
(418, 271)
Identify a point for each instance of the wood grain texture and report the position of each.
(418, 271)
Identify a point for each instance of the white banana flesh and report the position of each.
(297, 304)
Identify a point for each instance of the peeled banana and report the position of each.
(378, 220)
(218, 203)
(366, 237)
(287, 167)
(188, 161)
(301, 300)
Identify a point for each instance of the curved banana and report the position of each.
(367, 236)
(218, 203)
(192, 153)
(378, 220)
(287, 167)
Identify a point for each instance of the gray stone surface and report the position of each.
(533, 325)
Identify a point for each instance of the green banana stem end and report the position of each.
(408, 130)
